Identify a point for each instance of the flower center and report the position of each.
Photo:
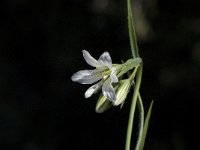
(106, 73)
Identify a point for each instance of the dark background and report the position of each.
(41, 45)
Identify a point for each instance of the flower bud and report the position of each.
(102, 104)
(122, 91)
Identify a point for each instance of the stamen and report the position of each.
(105, 74)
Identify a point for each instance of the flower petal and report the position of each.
(87, 76)
(113, 76)
(108, 90)
(90, 60)
(93, 89)
(80, 74)
(106, 60)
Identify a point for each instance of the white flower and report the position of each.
(104, 72)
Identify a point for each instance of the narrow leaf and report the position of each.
(146, 124)
(141, 122)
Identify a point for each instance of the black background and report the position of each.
(41, 45)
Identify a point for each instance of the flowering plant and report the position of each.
(110, 79)
(105, 74)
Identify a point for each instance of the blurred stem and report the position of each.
(132, 33)
(132, 109)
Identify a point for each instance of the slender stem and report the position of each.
(133, 74)
(132, 32)
(132, 109)
(130, 124)
(136, 95)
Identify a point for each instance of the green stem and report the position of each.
(132, 109)
(133, 74)
(132, 32)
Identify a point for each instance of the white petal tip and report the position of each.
(90, 60)
(106, 60)
(88, 93)
(74, 78)
(86, 96)
(84, 51)
(110, 96)
(92, 89)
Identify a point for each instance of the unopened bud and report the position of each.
(122, 91)
(102, 104)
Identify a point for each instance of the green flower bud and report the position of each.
(102, 104)
(122, 91)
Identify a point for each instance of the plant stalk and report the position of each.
(132, 109)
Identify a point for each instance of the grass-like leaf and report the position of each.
(141, 123)
(146, 124)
